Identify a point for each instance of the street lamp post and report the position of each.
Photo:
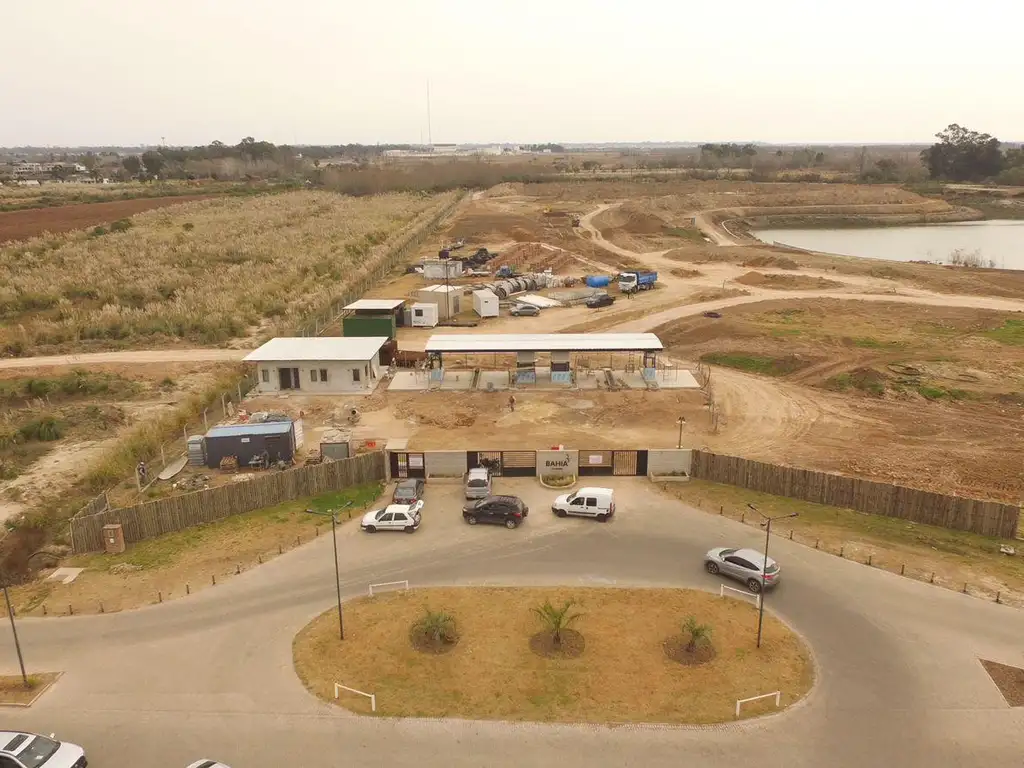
(767, 525)
(445, 257)
(681, 420)
(333, 514)
(14, 629)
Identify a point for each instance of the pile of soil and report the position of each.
(675, 649)
(781, 262)
(686, 273)
(571, 647)
(436, 414)
(792, 282)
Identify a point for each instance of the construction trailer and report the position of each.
(447, 299)
(373, 317)
(434, 269)
(318, 365)
(248, 442)
(422, 315)
(485, 303)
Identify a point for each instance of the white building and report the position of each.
(447, 298)
(485, 303)
(318, 365)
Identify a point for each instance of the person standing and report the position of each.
(512, 403)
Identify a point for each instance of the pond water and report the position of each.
(997, 243)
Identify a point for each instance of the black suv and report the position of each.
(509, 511)
(601, 300)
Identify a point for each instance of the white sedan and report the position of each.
(394, 517)
(19, 749)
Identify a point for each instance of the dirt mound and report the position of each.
(781, 262)
(792, 282)
(684, 273)
(436, 414)
(482, 223)
(534, 257)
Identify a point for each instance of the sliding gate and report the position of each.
(623, 463)
(504, 463)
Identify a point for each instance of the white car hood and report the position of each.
(370, 518)
(65, 756)
(563, 499)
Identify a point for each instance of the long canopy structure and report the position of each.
(470, 343)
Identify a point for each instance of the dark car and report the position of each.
(509, 511)
(604, 300)
(409, 491)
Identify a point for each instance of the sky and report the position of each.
(186, 72)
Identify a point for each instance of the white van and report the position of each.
(586, 502)
(478, 483)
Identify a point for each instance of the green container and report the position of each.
(369, 326)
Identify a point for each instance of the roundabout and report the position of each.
(899, 679)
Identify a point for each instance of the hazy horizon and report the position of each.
(123, 73)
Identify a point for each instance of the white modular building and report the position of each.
(318, 365)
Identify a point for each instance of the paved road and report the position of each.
(129, 356)
(211, 674)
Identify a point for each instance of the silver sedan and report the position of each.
(746, 565)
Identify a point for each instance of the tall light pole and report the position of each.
(445, 257)
(681, 420)
(333, 514)
(14, 629)
(767, 525)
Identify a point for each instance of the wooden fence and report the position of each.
(154, 518)
(989, 518)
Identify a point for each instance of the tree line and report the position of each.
(961, 154)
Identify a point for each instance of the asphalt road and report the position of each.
(211, 675)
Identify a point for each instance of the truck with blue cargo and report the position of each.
(637, 281)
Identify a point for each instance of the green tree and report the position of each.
(132, 164)
(700, 634)
(436, 626)
(153, 161)
(556, 620)
(963, 155)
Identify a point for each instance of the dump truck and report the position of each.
(637, 281)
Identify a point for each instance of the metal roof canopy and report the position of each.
(375, 305)
(544, 342)
(317, 348)
(265, 428)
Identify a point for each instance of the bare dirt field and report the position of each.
(21, 225)
(935, 391)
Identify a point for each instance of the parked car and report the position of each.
(509, 511)
(19, 749)
(394, 517)
(409, 491)
(603, 300)
(746, 565)
(206, 764)
(478, 483)
(586, 502)
(524, 310)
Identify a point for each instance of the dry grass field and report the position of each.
(14, 198)
(493, 673)
(205, 272)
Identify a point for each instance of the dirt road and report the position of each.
(128, 357)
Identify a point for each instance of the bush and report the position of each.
(121, 225)
(46, 430)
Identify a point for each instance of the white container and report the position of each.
(434, 269)
(424, 315)
(485, 303)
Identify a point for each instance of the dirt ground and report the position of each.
(21, 225)
(599, 686)
(95, 422)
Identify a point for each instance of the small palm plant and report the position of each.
(436, 626)
(557, 620)
(700, 634)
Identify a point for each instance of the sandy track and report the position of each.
(128, 357)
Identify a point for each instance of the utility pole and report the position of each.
(337, 569)
(767, 524)
(430, 136)
(14, 629)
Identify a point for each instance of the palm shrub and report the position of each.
(436, 626)
(700, 634)
(557, 620)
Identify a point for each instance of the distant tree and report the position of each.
(132, 164)
(963, 155)
(89, 160)
(591, 165)
(60, 172)
(154, 162)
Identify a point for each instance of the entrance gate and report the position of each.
(504, 463)
(404, 465)
(622, 463)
